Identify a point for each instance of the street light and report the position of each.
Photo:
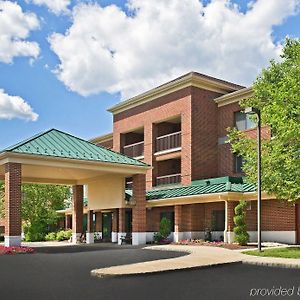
(253, 110)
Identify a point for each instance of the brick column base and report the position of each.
(121, 232)
(114, 233)
(178, 234)
(98, 227)
(139, 210)
(229, 224)
(13, 195)
(90, 228)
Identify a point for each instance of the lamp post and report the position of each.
(253, 110)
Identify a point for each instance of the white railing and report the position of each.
(134, 150)
(168, 179)
(168, 141)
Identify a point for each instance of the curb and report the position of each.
(272, 264)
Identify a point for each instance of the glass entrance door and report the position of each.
(106, 226)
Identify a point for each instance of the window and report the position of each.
(243, 121)
(238, 163)
(218, 220)
(170, 216)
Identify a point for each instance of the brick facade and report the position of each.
(13, 197)
(107, 144)
(122, 212)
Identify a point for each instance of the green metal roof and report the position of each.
(201, 187)
(55, 143)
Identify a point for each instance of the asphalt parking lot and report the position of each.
(64, 273)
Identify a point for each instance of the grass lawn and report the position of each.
(291, 252)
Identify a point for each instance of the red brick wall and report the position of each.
(106, 144)
(204, 134)
(13, 181)
(158, 110)
(276, 215)
(153, 217)
(77, 218)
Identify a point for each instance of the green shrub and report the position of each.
(51, 236)
(165, 227)
(34, 236)
(63, 235)
(240, 229)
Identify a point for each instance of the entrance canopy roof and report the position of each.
(58, 157)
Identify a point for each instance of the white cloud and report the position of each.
(15, 27)
(106, 50)
(15, 107)
(55, 6)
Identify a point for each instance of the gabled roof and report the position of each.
(201, 187)
(190, 79)
(55, 143)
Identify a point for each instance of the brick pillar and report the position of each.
(77, 217)
(98, 221)
(149, 149)
(139, 210)
(178, 223)
(114, 234)
(229, 224)
(13, 196)
(68, 223)
(186, 149)
(90, 227)
(122, 231)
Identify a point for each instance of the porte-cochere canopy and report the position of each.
(60, 158)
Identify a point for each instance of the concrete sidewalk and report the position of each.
(197, 257)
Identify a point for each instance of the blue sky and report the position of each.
(75, 98)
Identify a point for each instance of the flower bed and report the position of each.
(15, 250)
(192, 242)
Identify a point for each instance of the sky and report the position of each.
(64, 62)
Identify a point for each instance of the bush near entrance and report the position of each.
(164, 230)
(240, 229)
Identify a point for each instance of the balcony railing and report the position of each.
(134, 150)
(129, 185)
(168, 141)
(168, 179)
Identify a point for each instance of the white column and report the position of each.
(138, 238)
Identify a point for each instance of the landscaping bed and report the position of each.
(290, 252)
(15, 250)
(234, 246)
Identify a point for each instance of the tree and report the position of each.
(240, 228)
(39, 206)
(277, 95)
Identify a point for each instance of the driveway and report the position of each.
(64, 273)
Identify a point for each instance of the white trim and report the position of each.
(167, 151)
(12, 241)
(233, 97)
(114, 237)
(187, 80)
(286, 237)
(139, 238)
(90, 237)
(121, 235)
(75, 237)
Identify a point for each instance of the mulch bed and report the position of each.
(233, 246)
(15, 250)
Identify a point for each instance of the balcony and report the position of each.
(135, 150)
(168, 141)
(168, 179)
